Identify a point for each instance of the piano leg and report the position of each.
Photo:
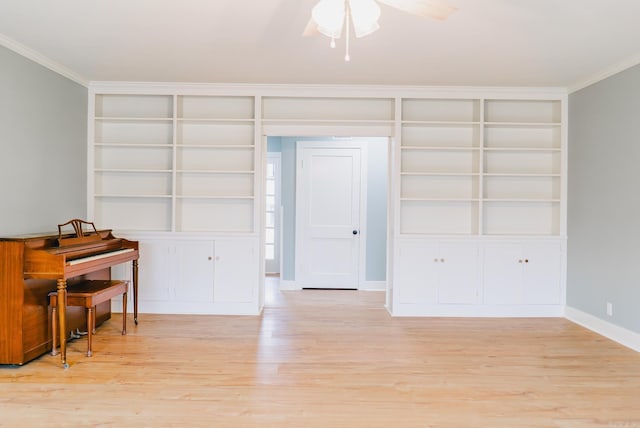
(62, 320)
(91, 328)
(135, 291)
(54, 330)
(124, 313)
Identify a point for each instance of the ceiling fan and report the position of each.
(328, 17)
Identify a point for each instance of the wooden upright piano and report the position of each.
(31, 266)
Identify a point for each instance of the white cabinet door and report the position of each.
(154, 271)
(502, 278)
(236, 271)
(194, 266)
(542, 270)
(458, 272)
(416, 272)
(432, 272)
(522, 273)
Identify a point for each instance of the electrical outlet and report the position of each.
(610, 309)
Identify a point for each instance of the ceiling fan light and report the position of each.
(329, 15)
(364, 15)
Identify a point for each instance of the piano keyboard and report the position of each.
(99, 256)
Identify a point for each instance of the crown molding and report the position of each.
(326, 90)
(608, 72)
(44, 61)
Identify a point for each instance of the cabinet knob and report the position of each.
(441, 260)
(526, 260)
(210, 258)
(435, 260)
(520, 261)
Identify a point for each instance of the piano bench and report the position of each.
(89, 294)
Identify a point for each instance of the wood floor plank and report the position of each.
(326, 358)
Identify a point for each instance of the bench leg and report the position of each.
(91, 325)
(54, 331)
(124, 313)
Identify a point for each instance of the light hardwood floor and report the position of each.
(330, 359)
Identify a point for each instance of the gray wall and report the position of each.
(43, 135)
(377, 162)
(604, 199)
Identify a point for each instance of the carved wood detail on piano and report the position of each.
(32, 266)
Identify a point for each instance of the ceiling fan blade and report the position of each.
(426, 8)
(311, 29)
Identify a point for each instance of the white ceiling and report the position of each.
(485, 43)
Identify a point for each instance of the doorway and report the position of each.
(372, 230)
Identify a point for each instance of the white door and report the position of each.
(327, 217)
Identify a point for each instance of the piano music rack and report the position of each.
(82, 237)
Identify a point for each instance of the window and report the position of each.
(272, 221)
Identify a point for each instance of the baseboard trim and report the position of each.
(373, 286)
(289, 285)
(609, 330)
(481, 311)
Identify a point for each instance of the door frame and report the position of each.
(343, 144)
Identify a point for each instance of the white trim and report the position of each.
(609, 330)
(199, 308)
(307, 129)
(91, 150)
(324, 91)
(364, 208)
(288, 285)
(44, 61)
(480, 310)
(608, 72)
(373, 286)
(281, 230)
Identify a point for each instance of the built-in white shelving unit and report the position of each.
(133, 151)
(181, 163)
(215, 158)
(480, 167)
(522, 167)
(177, 171)
(481, 209)
(440, 166)
(477, 201)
